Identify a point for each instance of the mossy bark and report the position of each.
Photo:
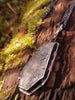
(61, 83)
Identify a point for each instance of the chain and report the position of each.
(52, 3)
(62, 24)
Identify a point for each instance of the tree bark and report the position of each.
(61, 83)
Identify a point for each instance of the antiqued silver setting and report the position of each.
(36, 72)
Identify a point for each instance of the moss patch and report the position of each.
(10, 54)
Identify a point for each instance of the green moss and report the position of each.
(16, 97)
(1, 67)
(2, 75)
(35, 21)
(3, 94)
(31, 8)
(11, 54)
(1, 85)
(6, 98)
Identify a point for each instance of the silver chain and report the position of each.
(62, 24)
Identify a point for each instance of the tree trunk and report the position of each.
(61, 83)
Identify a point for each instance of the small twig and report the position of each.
(9, 5)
